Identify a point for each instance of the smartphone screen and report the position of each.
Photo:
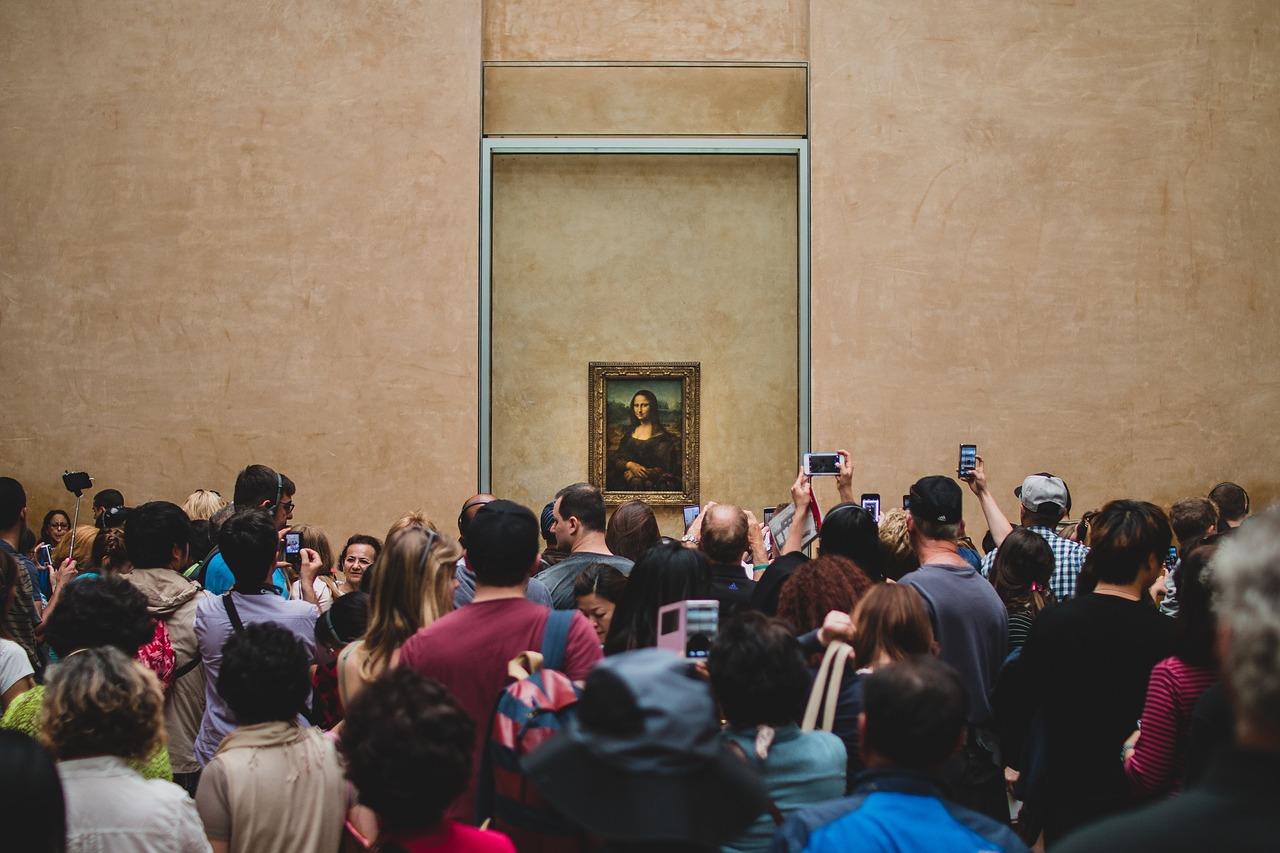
(768, 513)
(702, 618)
(906, 501)
(968, 460)
(690, 513)
(293, 548)
(822, 464)
(871, 503)
(1171, 559)
(44, 555)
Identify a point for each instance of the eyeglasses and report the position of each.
(59, 525)
(288, 506)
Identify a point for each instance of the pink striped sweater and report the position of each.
(1158, 763)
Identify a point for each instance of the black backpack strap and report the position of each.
(187, 667)
(232, 614)
(555, 638)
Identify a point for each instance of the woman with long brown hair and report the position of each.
(411, 586)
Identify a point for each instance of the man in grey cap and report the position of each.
(972, 629)
(1044, 500)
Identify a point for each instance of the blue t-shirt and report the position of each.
(218, 578)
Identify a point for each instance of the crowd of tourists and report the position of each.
(213, 676)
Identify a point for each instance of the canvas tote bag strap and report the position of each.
(838, 664)
(810, 718)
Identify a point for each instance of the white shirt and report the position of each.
(111, 809)
(14, 664)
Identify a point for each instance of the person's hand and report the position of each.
(977, 480)
(310, 565)
(800, 495)
(755, 540)
(1131, 743)
(66, 572)
(1011, 778)
(836, 626)
(844, 476)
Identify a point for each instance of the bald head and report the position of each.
(469, 509)
(724, 533)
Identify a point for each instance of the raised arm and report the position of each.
(996, 521)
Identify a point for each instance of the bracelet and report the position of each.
(1125, 750)
(689, 538)
(759, 566)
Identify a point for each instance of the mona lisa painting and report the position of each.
(644, 431)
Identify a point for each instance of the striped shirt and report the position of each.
(1068, 558)
(1160, 756)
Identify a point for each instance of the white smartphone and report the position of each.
(688, 628)
(822, 464)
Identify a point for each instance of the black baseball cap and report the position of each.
(937, 498)
(502, 535)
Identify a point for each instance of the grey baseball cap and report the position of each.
(1044, 494)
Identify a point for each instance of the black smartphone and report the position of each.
(1171, 559)
(968, 461)
(76, 481)
(768, 513)
(291, 548)
(906, 501)
(822, 464)
(871, 503)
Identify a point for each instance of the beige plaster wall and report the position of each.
(644, 258)
(1049, 229)
(242, 232)
(648, 30)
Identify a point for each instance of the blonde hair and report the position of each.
(83, 555)
(411, 587)
(202, 504)
(414, 518)
(101, 702)
(314, 538)
(895, 544)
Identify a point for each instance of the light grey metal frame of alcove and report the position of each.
(566, 145)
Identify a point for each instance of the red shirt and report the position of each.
(468, 651)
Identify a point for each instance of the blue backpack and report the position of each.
(537, 706)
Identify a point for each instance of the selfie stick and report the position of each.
(72, 549)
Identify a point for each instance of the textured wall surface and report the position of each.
(644, 258)
(630, 100)
(242, 232)
(646, 30)
(237, 232)
(1049, 229)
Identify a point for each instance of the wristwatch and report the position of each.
(689, 537)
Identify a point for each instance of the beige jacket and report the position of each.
(173, 598)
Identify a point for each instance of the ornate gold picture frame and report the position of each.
(643, 431)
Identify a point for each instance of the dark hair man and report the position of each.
(1043, 501)
(248, 543)
(579, 527)
(912, 724)
(1233, 505)
(1234, 808)
(254, 779)
(108, 508)
(156, 537)
(971, 626)
(536, 592)
(257, 487)
(1087, 663)
(1192, 519)
(724, 539)
(23, 612)
(468, 650)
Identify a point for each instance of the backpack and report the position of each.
(537, 706)
(158, 655)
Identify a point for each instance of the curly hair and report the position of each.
(265, 675)
(412, 587)
(100, 702)
(758, 671)
(818, 587)
(99, 611)
(407, 743)
(895, 545)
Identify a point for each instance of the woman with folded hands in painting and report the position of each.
(648, 457)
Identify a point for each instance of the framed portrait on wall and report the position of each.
(643, 431)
